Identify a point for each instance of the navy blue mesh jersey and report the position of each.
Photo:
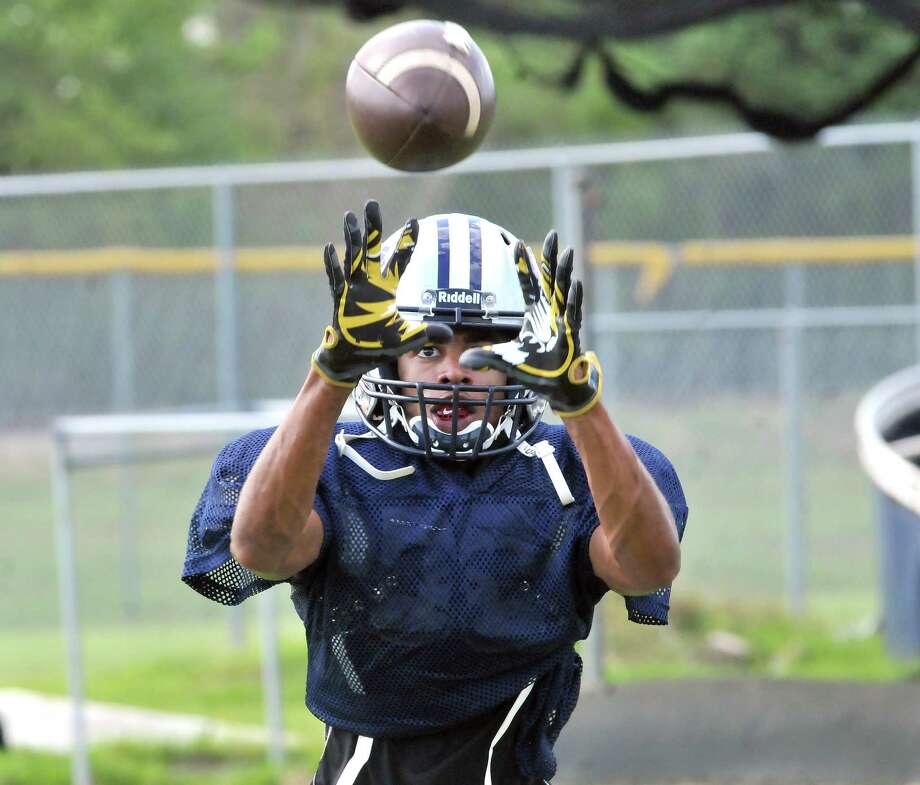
(439, 593)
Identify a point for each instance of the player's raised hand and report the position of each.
(366, 328)
(546, 355)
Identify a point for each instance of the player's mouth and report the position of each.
(442, 416)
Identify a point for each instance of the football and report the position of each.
(420, 95)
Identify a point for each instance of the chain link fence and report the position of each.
(741, 296)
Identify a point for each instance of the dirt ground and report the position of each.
(751, 731)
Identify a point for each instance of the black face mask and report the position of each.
(375, 396)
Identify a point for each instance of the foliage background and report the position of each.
(102, 83)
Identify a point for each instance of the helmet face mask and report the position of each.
(461, 273)
(381, 403)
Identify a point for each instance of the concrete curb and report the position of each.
(44, 722)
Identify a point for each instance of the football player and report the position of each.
(445, 553)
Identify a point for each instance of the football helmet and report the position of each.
(462, 273)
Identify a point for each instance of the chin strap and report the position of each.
(341, 443)
(544, 451)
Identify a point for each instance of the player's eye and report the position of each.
(429, 351)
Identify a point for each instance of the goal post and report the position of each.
(81, 442)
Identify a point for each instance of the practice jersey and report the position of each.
(441, 590)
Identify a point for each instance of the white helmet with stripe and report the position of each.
(462, 272)
(466, 275)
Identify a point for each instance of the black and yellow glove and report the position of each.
(546, 356)
(366, 329)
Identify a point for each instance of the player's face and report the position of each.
(441, 365)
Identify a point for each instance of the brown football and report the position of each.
(420, 95)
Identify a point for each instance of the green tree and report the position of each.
(104, 83)
(109, 83)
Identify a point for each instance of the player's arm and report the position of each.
(276, 532)
(635, 549)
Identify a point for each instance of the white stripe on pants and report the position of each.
(519, 701)
(353, 767)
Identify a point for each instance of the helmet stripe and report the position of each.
(475, 254)
(443, 253)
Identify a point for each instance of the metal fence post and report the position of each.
(122, 401)
(271, 676)
(915, 224)
(568, 218)
(791, 384)
(226, 339)
(567, 212)
(122, 341)
(69, 605)
(569, 221)
(227, 316)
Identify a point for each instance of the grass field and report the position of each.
(135, 764)
(191, 668)
(729, 454)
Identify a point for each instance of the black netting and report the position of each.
(788, 68)
(440, 595)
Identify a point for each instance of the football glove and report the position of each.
(546, 356)
(366, 329)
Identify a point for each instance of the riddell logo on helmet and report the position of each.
(458, 297)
